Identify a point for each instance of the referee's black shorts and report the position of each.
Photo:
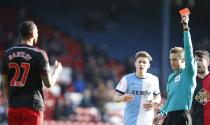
(179, 117)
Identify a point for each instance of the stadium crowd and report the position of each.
(85, 86)
(84, 91)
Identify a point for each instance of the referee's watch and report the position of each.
(185, 27)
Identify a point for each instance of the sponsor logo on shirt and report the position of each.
(143, 93)
(203, 96)
(177, 78)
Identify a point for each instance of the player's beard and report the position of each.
(200, 70)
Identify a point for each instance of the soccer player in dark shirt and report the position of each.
(201, 99)
(25, 70)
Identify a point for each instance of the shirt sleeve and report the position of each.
(156, 89)
(122, 86)
(163, 111)
(190, 63)
(43, 66)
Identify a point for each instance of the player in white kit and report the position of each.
(141, 92)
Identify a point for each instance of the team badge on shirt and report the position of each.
(203, 96)
(177, 78)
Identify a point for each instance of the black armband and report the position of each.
(185, 26)
(186, 29)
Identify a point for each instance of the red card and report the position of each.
(184, 11)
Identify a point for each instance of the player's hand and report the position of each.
(158, 119)
(149, 105)
(128, 97)
(158, 106)
(185, 19)
(57, 66)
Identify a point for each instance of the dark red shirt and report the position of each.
(201, 102)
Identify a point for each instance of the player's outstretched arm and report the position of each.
(122, 98)
(51, 77)
(190, 63)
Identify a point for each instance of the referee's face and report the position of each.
(176, 61)
(142, 64)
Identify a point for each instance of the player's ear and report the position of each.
(148, 65)
(32, 34)
(135, 63)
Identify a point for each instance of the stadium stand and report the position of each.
(94, 52)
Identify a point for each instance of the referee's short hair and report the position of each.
(179, 51)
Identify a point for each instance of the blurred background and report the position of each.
(96, 41)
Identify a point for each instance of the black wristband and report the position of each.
(186, 29)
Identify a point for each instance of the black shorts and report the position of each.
(179, 117)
